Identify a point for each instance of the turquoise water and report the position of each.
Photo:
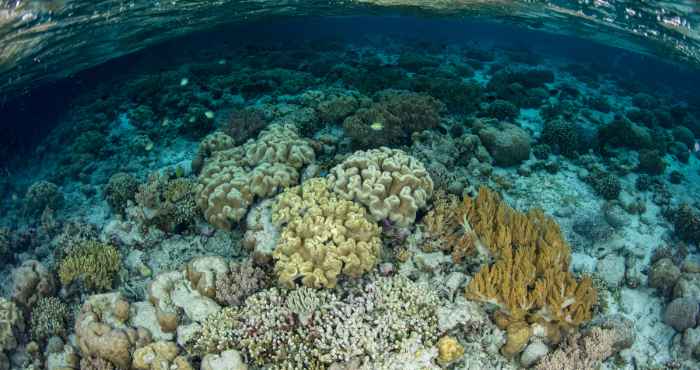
(355, 191)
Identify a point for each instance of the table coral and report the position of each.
(322, 236)
(233, 176)
(390, 183)
(530, 280)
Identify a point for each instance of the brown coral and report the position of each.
(446, 228)
(530, 279)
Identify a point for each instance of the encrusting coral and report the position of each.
(233, 176)
(390, 183)
(530, 280)
(95, 264)
(322, 236)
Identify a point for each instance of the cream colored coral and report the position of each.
(11, 323)
(390, 183)
(233, 176)
(323, 236)
(160, 356)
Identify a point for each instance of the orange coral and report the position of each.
(447, 229)
(529, 279)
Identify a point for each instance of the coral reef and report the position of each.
(244, 124)
(31, 281)
(233, 176)
(530, 280)
(323, 236)
(562, 135)
(11, 325)
(42, 195)
(508, 144)
(390, 183)
(49, 317)
(581, 352)
(686, 222)
(242, 280)
(91, 263)
(446, 229)
(119, 190)
(166, 202)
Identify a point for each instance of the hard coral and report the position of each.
(49, 318)
(686, 222)
(243, 124)
(165, 202)
(92, 263)
(447, 229)
(120, 189)
(562, 135)
(11, 325)
(390, 183)
(323, 236)
(242, 280)
(42, 195)
(530, 280)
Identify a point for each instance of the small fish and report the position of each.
(696, 147)
(376, 126)
(184, 81)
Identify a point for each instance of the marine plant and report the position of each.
(529, 279)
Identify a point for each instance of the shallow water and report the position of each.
(350, 192)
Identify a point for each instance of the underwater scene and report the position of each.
(360, 188)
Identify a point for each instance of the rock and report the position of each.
(663, 275)
(611, 269)
(508, 144)
(533, 353)
(431, 262)
(615, 215)
(461, 312)
(227, 360)
(691, 342)
(583, 263)
(159, 356)
(687, 286)
(143, 314)
(66, 358)
(682, 313)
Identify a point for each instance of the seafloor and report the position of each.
(365, 204)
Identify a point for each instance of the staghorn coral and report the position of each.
(322, 236)
(231, 178)
(49, 317)
(242, 280)
(93, 263)
(390, 183)
(530, 280)
(312, 329)
(582, 352)
(447, 229)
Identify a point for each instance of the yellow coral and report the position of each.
(322, 236)
(93, 262)
(449, 350)
(530, 279)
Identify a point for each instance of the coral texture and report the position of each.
(530, 280)
(242, 280)
(446, 228)
(48, 318)
(581, 352)
(233, 177)
(165, 202)
(390, 183)
(322, 236)
(120, 189)
(11, 325)
(93, 263)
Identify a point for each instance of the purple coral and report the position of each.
(239, 283)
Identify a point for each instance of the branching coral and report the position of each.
(242, 280)
(530, 280)
(233, 176)
(49, 317)
(120, 189)
(93, 263)
(582, 352)
(390, 183)
(165, 202)
(323, 236)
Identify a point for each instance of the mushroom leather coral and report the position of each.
(530, 279)
(323, 236)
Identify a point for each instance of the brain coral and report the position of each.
(323, 236)
(389, 182)
(233, 176)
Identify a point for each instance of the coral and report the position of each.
(31, 281)
(322, 236)
(120, 189)
(92, 263)
(651, 162)
(582, 352)
(373, 127)
(502, 110)
(684, 135)
(165, 202)
(416, 112)
(682, 313)
(390, 183)
(261, 234)
(606, 185)
(459, 96)
(11, 325)
(42, 195)
(675, 177)
(313, 329)
(663, 275)
(530, 280)
(622, 132)
(49, 318)
(562, 135)
(242, 280)
(160, 356)
(446, 229)
(508, 144)
(226, 360)
(101, 330)
(232, 178)
(686, 223)
(244, 124)
(449, 350)
(5, 242)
